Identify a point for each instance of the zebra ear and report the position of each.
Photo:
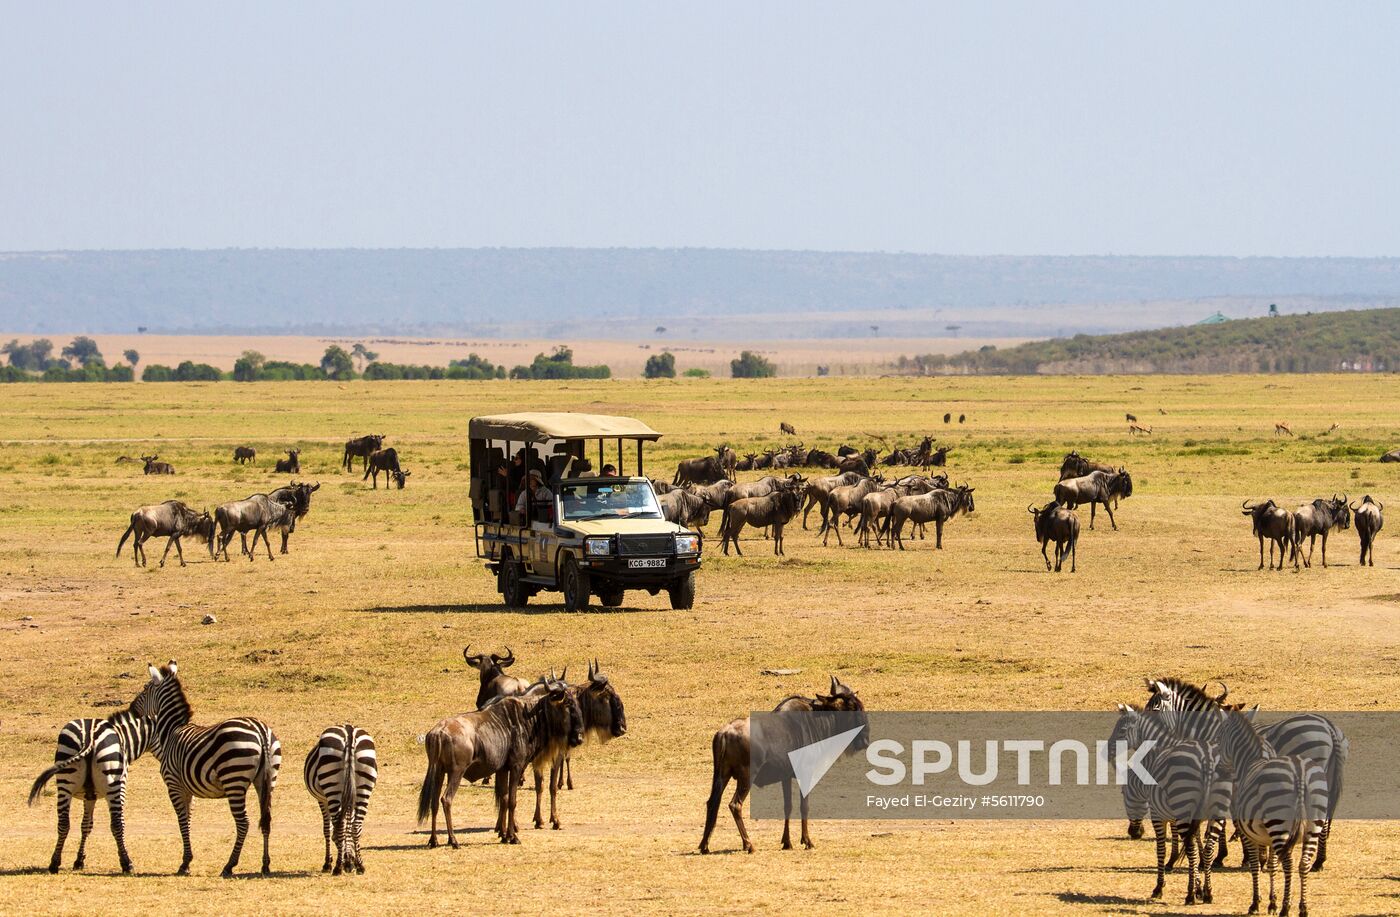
(153, 672)
(1123, 708)
(172, 667)
(1249, 714)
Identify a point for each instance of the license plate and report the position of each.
(647, 562)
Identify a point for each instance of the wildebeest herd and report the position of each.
(516, 725)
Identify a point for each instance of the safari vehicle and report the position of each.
(576, 530)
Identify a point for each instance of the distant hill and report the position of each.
(693, 293)
(1363, 340)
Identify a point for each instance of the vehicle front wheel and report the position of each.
(610, 597)
(683, 592)
(512, 590)
(574, 584)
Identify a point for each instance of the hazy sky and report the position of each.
(970, 128)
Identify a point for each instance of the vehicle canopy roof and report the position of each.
(543, 426)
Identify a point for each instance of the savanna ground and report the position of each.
(366, 619)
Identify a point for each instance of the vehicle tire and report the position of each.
(610, 597)
(513, 591)
(573, 582)
(683, 592)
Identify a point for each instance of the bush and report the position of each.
(283, 371)
(190, 371)
(660, 366)
(559, 365)
(750, 365)
(155, 372)
(696, 372)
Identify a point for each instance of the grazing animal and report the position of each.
(1132, 418)
(1391, 456)
(154, 467)
(1279, 805)
(223, 761)
(604, 719)
(939, 458)
(936, 506)
(705, 470)
(787, 428)
(1094, 488)
(94, 755)
(340, 773)
(737, 758)
(876, 506)
(746, 463)
(820, 458)
(1076, 466)
(948, 418)
(962, 418)
(255, 514)
(291, 464)
(843, 503)
(298, 498)
(501, 739)
(819, 489)
(1319, 518)
(244, 454)
(1054, 522)
(171, 518)
(775, 510)
(728, 461)
(494, 680)
(684, 507)
(361, 447)
(386, 461)
(856, 463)
(1368, 525)
(1135, 429)
(1278, 526)
(1282, 428)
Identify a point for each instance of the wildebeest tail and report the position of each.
(432, 780)
(129, 529)
(47, 775)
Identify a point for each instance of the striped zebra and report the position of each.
(340, 773)
(1311, 735)
(210, 762)
(1279, 804)
(93, 755)
(1189, 795)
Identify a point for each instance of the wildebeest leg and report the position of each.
(516, 777)
(787, 814)
(717, 785)
(736, 808)
(285, 532)
(266, 544)
(555, 773)
(734, 540)
(1261, 553)
(568, 774)
(938, 533)
(138, 552)
(1113, 522)
(172, 540)
(539, 794)
(806, 837)
(1043, 553)
(243, 540)
(1324, 551)
(778, 539)
(454, 779)
(1093, 504)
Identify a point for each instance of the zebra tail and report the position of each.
(129, 530)
(432, 781)
(267, 780)
(1341, 748)
(348, 801)
(38, 788)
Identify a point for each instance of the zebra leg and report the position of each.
(1251, 860)
(1176, 847)
(89, 803)
(1159, 829)
(238, 806)
(359, 825)
(1221, 843)
(787, 814)
(116, 807)
(326, 833)
(1271, 864)
(1207, 852)
(1306, 864)
(181, 802)
(65, 801)
(338, 835)
(1192, 842)
(1324, 832)
(1285, 857)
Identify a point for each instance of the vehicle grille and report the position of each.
(646, 544)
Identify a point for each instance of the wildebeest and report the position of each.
(291, 464)
(1055, 523)
(154, 467)
(818, 489)
(1277, 525)
(1368, 525)
(298, 497)
(962, 418)
(775, 510)
(604, 718)
(1391, 456)
(746, 463)
(1094, 488)
(936, 506)
(494, 680)
(501, 739)
(737, 758)
(255, 514)
(171, 518)
(1319, 518)
(843, 503)
(764, 461)
(876, 505)
(1132, 418)
(387, 461)
(1076, 466)
(244, 454)
(939, 458)
(820, 458)
(705, 470)
(686, 508)
(948, 418)
(660, 487)
(787, 428)
(361, 447)
(728, 461)
(856, 463)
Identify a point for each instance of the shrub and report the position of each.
(750, 365)
(696, 372)
(660, 366)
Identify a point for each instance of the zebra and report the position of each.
(210, 762)
(1279, 805)
(94, 754)
(1190, 793)
(341, 782)
(1311, 735)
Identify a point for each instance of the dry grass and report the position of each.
(366, 619)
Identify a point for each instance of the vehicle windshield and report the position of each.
(618, 499)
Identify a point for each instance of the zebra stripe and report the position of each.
(341, 782)
(94, 754)
(210, 762)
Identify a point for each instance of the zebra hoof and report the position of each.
(326, 866)
(227, 873)
(78, 863)
(556, 826)
(53, 867)
(126, 867)
(267, 869)
(336, 871)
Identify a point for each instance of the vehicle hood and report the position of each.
(623, 527)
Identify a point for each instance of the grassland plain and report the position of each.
(366, 619)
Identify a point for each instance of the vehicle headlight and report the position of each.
(687, 544)
(598, 547)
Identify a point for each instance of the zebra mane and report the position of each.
(1183, 689)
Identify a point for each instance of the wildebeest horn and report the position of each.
(834, 683)
(1352, 507)
(464, 653)
(1246, 504)
(564, 676)
(504, 661)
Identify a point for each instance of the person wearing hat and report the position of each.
(535, 492)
